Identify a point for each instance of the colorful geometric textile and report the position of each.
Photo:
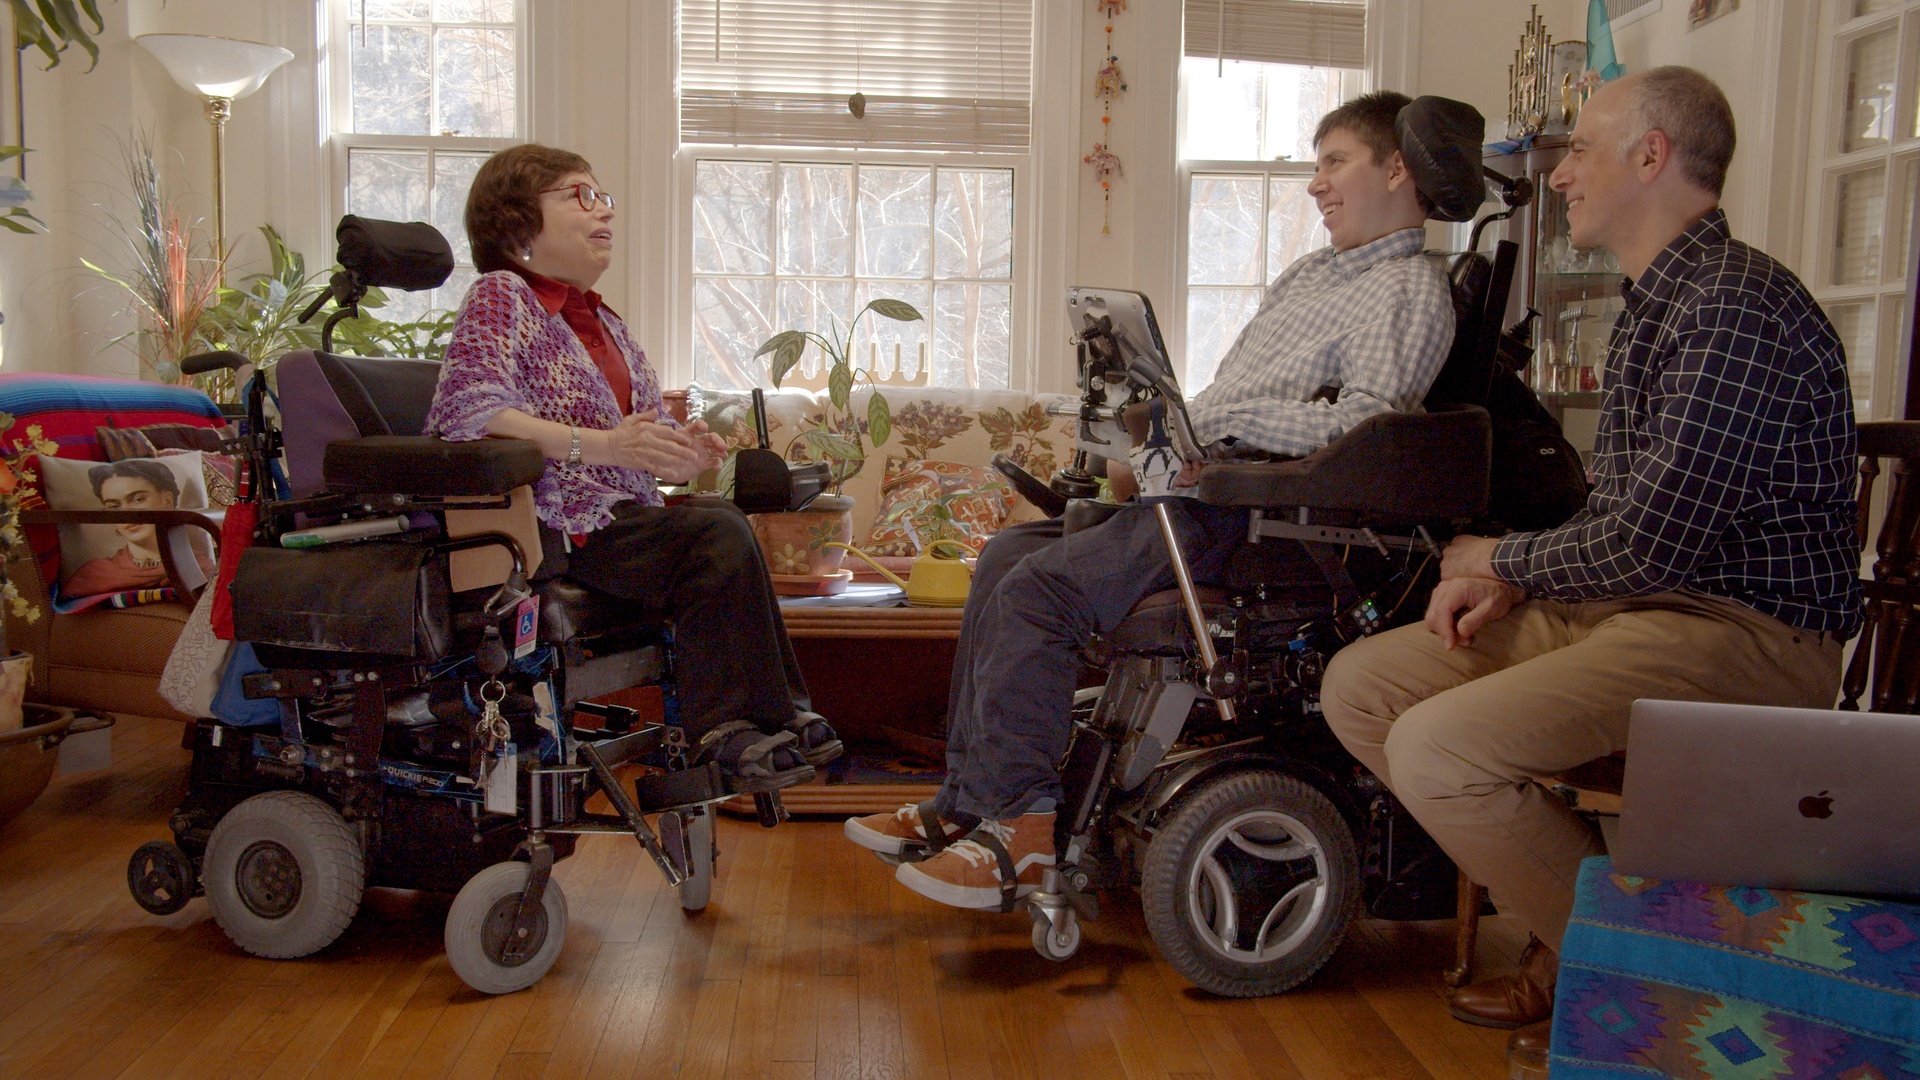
(1709, 982)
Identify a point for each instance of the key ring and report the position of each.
(496, 725)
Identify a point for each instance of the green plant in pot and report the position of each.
(801, 544)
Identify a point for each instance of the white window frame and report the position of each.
(337, 93)
(1890, 295)
(1185, 171)
(1019, 363)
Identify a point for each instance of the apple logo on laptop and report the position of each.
(1817, 806)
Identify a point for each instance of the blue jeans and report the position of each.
(1037, 598)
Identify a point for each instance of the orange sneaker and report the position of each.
(892, 833)
(968, 873)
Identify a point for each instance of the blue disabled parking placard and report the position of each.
(526, 626)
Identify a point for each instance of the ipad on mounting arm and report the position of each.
(1772, 797)
(1123, 338)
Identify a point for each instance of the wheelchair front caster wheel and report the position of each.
(485, 948)
(1056, 943)
(161, 877)
(698, 888)
(283, 874)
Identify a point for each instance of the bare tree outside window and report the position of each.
(800, 245)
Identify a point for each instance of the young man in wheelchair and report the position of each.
(1716, 559)
(1367, 319)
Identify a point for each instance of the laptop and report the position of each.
(1809, 799)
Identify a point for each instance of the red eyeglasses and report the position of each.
(585, 194)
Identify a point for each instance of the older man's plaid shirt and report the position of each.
(1725, 460)
(1373, 322)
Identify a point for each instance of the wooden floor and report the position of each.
(811, 962)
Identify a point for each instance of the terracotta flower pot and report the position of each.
(795, 543)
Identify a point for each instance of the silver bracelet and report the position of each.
(573, 449)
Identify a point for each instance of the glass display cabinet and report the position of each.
(1575, 291)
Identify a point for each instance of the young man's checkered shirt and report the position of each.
(1374, 323)
(1725, 460)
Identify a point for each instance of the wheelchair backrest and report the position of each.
(1480, 287)
(324, 398)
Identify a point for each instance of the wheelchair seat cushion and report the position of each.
(1392, 468)
(426, 466)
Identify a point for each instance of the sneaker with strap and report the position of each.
(893, 833)
(972, 873)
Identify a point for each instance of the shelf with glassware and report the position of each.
(1576, 291)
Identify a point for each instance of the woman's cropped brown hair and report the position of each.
(503, 206)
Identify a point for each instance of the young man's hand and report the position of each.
(1461, 606)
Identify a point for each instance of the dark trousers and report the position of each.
(698, 566)
(1037, 597)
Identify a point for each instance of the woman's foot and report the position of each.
(818, 742)
(753, 760)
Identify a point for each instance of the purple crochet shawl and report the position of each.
(508, 352)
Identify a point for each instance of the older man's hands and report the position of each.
(675, 455)
(1469, 595)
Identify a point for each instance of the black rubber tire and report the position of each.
(161, 877)
(697, 889)
(245, 874)
(1174, 883)
(466, 935)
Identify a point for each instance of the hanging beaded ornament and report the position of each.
(1108, 84)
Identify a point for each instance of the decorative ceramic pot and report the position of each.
(795, 544)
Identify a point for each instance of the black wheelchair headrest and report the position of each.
(409, 255)
(1440, 140)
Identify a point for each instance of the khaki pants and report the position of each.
(1460, 735)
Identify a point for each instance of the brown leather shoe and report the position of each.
(1511, 1001)
(1527, 1050)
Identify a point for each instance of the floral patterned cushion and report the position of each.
(922, 501)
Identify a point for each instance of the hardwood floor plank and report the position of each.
(837, 1056)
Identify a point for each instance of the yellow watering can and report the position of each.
(937, 581)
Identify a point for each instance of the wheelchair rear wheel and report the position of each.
(480, 926)
(283, 873)
(1250, 884)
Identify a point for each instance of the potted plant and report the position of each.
(797, 544)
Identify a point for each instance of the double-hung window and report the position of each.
(840, 151)
(1256, 78)
(1865, 184)
(421, 92)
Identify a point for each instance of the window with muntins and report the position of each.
(842, 151)
(422, 91)
(1257, 77)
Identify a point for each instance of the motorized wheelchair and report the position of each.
(1199, 771)
(414, 736)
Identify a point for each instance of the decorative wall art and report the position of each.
(1108, 84)
(1701, 12)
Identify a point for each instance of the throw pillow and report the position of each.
(121, 563)
(163, 440)
(922, 501)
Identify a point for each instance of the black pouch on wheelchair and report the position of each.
(384, 599)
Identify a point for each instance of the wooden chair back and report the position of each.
(1886, 660)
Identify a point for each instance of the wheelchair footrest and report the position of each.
(664, 791)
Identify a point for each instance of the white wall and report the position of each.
(602, 85)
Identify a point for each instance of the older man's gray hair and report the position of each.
(1693, 112)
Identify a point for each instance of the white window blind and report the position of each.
(1303, 32)
(936, 74)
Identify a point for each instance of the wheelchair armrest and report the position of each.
(426, 466)
(165, 521)
(1399, 466)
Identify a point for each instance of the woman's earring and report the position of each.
(526, 252)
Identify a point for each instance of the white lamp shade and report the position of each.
(215, 66)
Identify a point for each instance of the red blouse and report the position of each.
(581, 312)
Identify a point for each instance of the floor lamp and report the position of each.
(219, 70)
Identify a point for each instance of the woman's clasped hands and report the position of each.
(674, 455)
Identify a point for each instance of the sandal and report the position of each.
(751, 760)
(818, 742)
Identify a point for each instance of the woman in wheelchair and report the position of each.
(537, 355)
